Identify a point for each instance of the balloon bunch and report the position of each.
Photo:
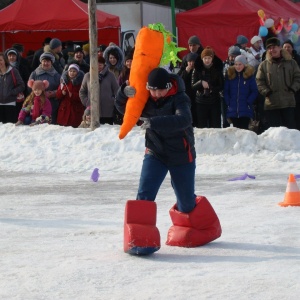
(277, 25)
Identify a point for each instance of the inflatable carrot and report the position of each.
(153, 48)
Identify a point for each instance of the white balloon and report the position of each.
(269, 23)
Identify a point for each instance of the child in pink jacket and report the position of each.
(37, 108)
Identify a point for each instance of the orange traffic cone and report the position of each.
(292, 194)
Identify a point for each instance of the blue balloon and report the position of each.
(294, 27)
(263, 31)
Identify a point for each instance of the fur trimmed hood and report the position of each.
(247, 72)
(76, 81)
(116, 51)
(284, 53)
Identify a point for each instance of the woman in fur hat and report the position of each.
(37, 107)
(114, 58)
(240, 91)
(70, 109)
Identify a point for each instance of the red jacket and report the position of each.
(70, 110)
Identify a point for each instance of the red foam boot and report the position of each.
(141, 236)
(196, 228)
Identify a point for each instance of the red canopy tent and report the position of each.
(291, 6)
(29, 22)
(218, 23)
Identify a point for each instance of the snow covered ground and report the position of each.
(62, 234)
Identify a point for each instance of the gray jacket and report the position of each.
(51, 75)
(108, 90)
(9, 90)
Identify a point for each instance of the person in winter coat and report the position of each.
(207, 81)
(255, 52)
(233, 52)
(288, 45)
(278, 79)
(46, 71)
(22, 66)
(124, 76)
(55, 48)
(11, 84)
(70, 109)
(170, 147)
(86, 118)
(78, 59)
(240, 91)
(108, 89)
(114, 59)
(36, 107)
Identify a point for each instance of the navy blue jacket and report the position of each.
(240, 91)
(170, 137)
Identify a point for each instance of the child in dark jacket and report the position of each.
(240, 91)
(37, 108)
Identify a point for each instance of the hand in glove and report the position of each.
(129, 91)
(146, 123)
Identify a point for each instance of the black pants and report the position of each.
(209, 115)
(8, 114)
(242, 123)
(281, 117)
(105, 120)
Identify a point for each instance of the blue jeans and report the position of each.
(182, 179)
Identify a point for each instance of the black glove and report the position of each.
(146, 123)
(129, 91)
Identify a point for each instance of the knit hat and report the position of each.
(288, 42)
(78, 49)
(194, 40)
(191, 56)
(38, 84)
(273, 41)
(54, 43)
(234, 51)
(255, 39)
(159, 79)
(11, 51)
(86, 47)
(47, 56)
(18, 47)
(102, 48)
(87, 111)
(241, 39)
(208, 51)
(73, 66)
(242, 59)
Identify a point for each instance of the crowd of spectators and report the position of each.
(256, 87)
